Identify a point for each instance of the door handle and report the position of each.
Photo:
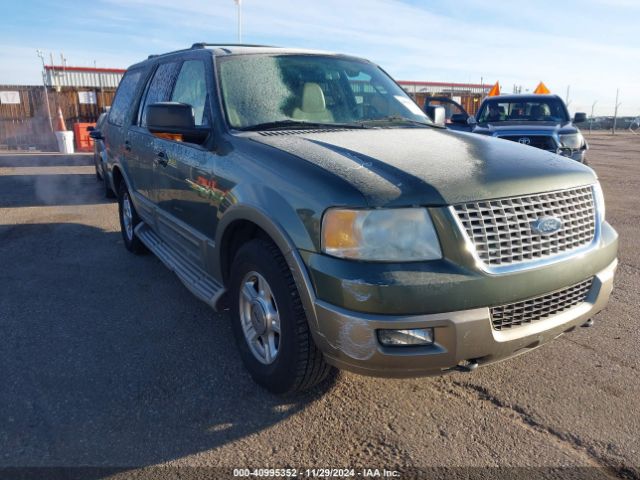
(127, 146)
(161, 159)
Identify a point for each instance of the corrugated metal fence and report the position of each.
(24, 121)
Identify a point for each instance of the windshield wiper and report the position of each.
(295, 124)
(394, 119)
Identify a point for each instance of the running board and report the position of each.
(199, 282)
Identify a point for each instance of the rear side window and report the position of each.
(191, 88)
(124, 97)
(159, 89)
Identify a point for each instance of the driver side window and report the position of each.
(159, 89)
(191, 88)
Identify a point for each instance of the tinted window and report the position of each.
(191, 88)
(159, 89)
(124, 97)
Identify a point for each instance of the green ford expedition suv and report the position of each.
(307, 193)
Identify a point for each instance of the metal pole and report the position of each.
(95, 65)
(567, 98)
(615, 112)
(593, 106)
(239, 4)
(44, 88)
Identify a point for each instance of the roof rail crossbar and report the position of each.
(223, 44)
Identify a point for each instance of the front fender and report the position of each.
(267, 209)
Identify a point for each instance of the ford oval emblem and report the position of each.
(546, 225)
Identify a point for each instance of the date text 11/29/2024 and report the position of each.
(315, 473)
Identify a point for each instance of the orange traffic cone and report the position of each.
(495, 90)
(60, 125)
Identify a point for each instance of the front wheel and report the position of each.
(269, 322)
(129, 220)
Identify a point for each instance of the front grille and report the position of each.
(545, 142)
(538, 308)
(500, 230)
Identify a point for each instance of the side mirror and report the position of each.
(580, 117)
(459, 118)
(96, 134)
(437, 114)
(174, 121)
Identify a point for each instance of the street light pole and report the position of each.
(593, 106)
(615, 113)
(239, 4)
(44, 87)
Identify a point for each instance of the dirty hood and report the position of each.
(429, 166)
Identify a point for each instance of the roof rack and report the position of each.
(206, 44)
(200, 45)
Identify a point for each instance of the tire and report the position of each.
(126, 210)
(98, 175)
(108, 193)
(298, 364)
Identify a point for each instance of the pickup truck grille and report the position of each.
(501, 230)
(538, 308)
(544, 142)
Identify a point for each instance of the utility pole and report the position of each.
(593, 106)
(239, 4)
(95, 65)
(566, 100)
(44, 88)
(615, 112)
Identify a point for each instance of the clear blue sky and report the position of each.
(591, 45)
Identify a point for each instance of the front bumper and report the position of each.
(348, 339)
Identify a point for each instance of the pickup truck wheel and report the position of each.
(129, 220)
(269, 323)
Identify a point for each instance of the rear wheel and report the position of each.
(269, 323)
(129, 220)
(98, 173)
(108, 193)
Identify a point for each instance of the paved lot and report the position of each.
(107, 360)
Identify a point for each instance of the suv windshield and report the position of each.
(272, 90)
(543, 110)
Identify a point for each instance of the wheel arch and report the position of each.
(242, 223)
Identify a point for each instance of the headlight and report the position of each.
(599, 199)
(385, 235)
(574, 141)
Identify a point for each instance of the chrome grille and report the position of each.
(539, 308)
(500, 230)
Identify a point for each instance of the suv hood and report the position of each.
(504, 128)
(425, 166)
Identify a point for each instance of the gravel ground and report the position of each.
(106, 360)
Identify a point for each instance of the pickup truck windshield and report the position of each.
(290, 90)
(543, 110)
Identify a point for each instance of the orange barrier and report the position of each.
(84, 143)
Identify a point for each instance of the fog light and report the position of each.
(399, 338)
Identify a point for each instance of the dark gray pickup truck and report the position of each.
(311, 196)
(540, 121)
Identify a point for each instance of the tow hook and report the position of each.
(467, 366)
(588, 323)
